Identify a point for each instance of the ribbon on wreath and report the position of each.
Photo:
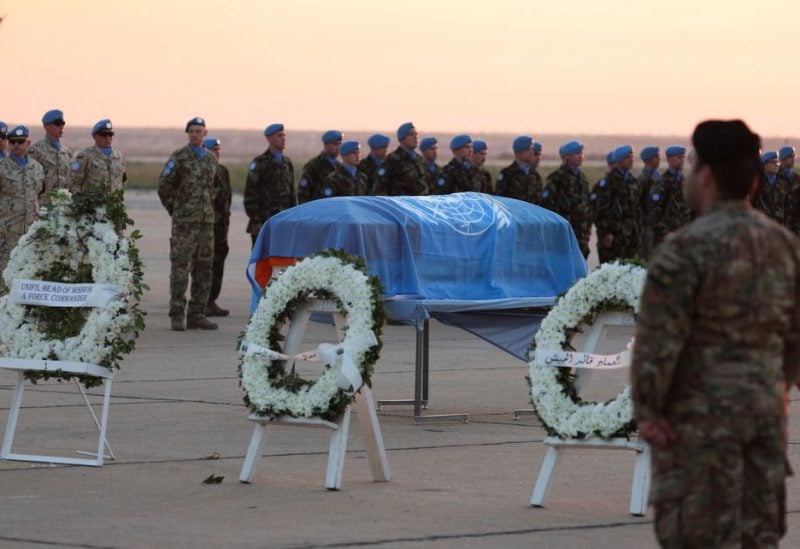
(349, 379)
(570, 359)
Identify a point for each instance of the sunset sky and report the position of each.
(580, 66)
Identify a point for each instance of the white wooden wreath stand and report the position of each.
(641, 474)
(364, 404)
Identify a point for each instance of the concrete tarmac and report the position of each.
(177, 417)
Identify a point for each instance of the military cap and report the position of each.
(621, 152)
(349, 147)
(610, 158)
(522, 143)
(403, 130)
(675, 150)
(725, 141)
(769, 156)
(196, 121)
(427, 143)
(648, 153)
(3, 129)
(537, 147)
(783, 153)
(273, 129)
(570, 147)
(211, 142)
(19, 131)
(378, 141)
(479, 145)
(331, 136)
(461, 140)
(102, 125)
(51, 116)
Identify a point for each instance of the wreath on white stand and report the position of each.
(613, 287)
(271, 389)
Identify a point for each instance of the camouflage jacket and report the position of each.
(370, 168)
(55, 162)
(458, 179)
(567, 193)
(667, 209)
(314, 173)
(791, 206)
(769, 197)
(718, 329)
(340, 183)
(513, 182)
(402, 174)
(222, 201)
(269, 188)
(646, 178)
(19, 191)
(482, 179)
(616, 205)
(186, 186)
(434, 178)
(91, 168)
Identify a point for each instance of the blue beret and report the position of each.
(621, 152)
(19, 131)
(610, 158)
(196, 121)
(102, 125)
(783, 153)
(332, 136)
(349, 147)
(3, 128)
(522, 143)
(459, 141)
(769, 156)
(52, 116)
(378, 141)
(537, 147)
(427, 143)
(648, 153)
(403, 130)
(211, 142)
(570, 147)
(273, 129)
(675, 150)
(479, 145)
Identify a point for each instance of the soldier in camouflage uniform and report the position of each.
(536, 159)
(617, 211)
(21, 180)
(518, 180)
(791, 206)
(269, 188)
(770, 195)
(650, 174)
(53, 155)
(480, 176)
(369, 166)
(566, 192)
(318, 168)
(222, 221)
(667, 210)
(429, 149)
(403, 171)
(3, 140)
(716, 351)
(101, 165)
(457, 173)
(346, 180)
(186, 189)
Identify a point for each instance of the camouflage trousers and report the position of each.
(623, 247)
(221, 250)
(191, 252)
(723, 483)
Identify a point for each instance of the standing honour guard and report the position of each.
(429, 149)
(345, 179)
(222, 221)
(318, 168)
(54, 156)
(617, 209)
(369, 166)
(403, 171)
(269, 188)
(480, 175)
(791, 213)
(566, 192)
(667, 210)
(770, 194)
(100, 166)
(649, 174)
(187, 191)
(457, 174)
(518, 179)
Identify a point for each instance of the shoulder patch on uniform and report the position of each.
(440, 181)
(328, 191)
(253, 165)
(303, 182)
(500, 176)
(655, 197)
(545, 193)
(593, 197)
(75, 165)
(602, 183)
(381, 171)
(168, 167)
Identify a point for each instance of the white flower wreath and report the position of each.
(614, 286)
(332, 275)
(58, 237)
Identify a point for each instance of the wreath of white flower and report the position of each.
(614, 286)
(328, 275)
(59, 237)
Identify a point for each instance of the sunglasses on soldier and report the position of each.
(105, 134)
(17, 141)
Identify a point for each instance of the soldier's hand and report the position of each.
(607, 240)
(657, 432)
